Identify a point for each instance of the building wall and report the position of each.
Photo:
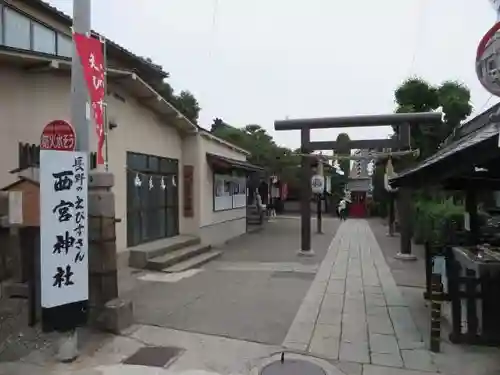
(359, 184)
(139, 130)
(48, 20)
(217, 227)
(22, 6)
(29, 101)
(191, 156)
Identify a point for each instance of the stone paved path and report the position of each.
(252, 292)
(354, 311)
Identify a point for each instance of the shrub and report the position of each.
(437, 222)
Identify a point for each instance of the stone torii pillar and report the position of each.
(402, 120)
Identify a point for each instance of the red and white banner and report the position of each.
(91, 55)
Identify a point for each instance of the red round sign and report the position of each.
(58, 135)
(487, 59)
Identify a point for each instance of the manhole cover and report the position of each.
(155, 356)
(292, 367)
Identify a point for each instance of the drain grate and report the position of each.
(292, 367)
(293, 275)
(153, 356)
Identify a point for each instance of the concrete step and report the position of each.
(193, 262)
(173, 257)
(141, 254)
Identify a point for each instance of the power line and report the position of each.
(486, 103)
(213, 31)
(422, 5)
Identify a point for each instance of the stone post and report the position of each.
(406, 224)
(107, 311)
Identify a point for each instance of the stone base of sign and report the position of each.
(107, 311)
(306, 253)
(116, 316)
(402, 256)
(67, 350)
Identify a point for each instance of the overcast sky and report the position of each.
(255, 61)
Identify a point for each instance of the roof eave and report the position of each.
(68, 21)
(223, 142)
(129, 80)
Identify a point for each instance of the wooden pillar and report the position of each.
(406, 223)
(306, 192)
(392, 214)
(389, 172)
(471, 210)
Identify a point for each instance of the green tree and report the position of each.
(273, 158)
(264, 151)
(185, 102)
(417, 95)
(255, 139)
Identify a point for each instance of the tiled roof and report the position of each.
(484, 133)
(241, 164)
(473, 124)
(64, 18)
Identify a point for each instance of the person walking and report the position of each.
(342, 209)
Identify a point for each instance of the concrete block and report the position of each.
(335, 287)
(375, 300)
(380, 324)
(11, 289)
(330, 316)
(300, 332)
(418, 359)
(116, 316)
(102, 229)
(383, 344)
(326, 341)
(101, 204)
(387, 359)
(410, 343)
(102, 257)
(100, 180)
(354, 352)
(371, 289)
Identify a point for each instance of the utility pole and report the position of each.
(80, 105)
(80, 118)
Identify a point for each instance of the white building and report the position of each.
(175, 161)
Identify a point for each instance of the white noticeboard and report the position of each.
(240, 197)
(63, 227)
(318, 184)
(467, 221)
(15, 207)
(328, 184)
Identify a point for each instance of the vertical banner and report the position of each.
(91, 55)
(63, 236)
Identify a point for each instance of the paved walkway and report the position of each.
(354, 311)
(351, 316)
(252, 292)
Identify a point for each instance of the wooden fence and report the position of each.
(29, 156)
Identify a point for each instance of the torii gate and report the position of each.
(402, 120)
